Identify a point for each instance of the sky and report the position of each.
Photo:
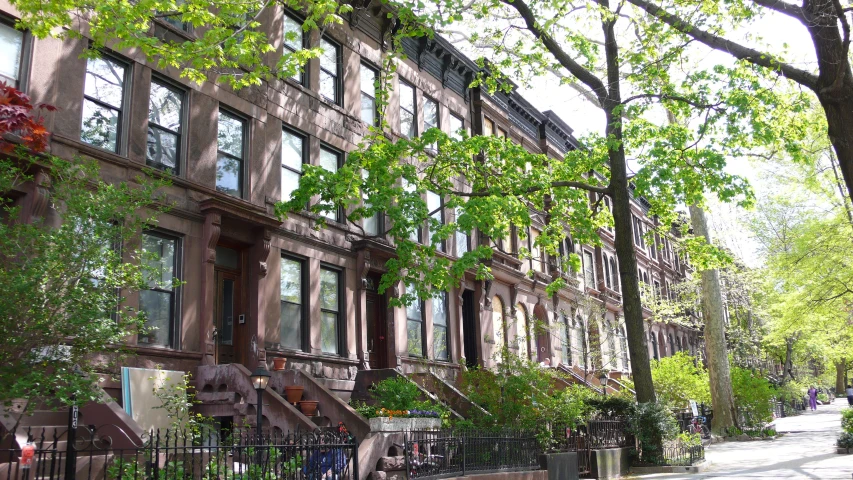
(725, 221)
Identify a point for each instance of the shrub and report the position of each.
(824, 398)
(753, 395)
(652, 423)
(610, 406)
(847, 420)
(679, 379)
(845, 440)
(395, 393)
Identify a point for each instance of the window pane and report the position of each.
(488, 127)
(105, 81)
(329, 57)
(289, 183)
(228, 175)
(291, 280)
(157, 307)
(327, 86)
(368, 110)
(11, 43)
(455, 126)
(329, 289)
(371, 225)
(407, 97)
(292, 150)
(230, 135)
(329, 160)
(291, 326)
(461, 243)
(159, 260)
(164, 107)
(414, 336)
(292, 33)
(439, 310)
(368, 81)
(100, 126)
(162, 151)
(440, 343)
(407, 124)
(329, 333)
(430, 113)
(413, 311)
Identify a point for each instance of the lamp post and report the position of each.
(603, 380)
(260, 379)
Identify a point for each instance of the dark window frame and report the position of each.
(422, 322)
(340, 323)
(176, 292)
(122, 109)
(303, 41)
(589, 269)
(454, 134)
(340, 154)
(414, 113)
(245, 149)
(457, 239)
(442, 245)
(429, 99)
(446, 327)
(337, 75)
(305, 297)
(368, 66)
(180, 154)
(23, 81)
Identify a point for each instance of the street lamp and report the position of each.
(603, 381)
(260, 379)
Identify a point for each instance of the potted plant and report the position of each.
(278, 363)
(293, 393)
(308, 407)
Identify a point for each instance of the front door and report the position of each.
(377, 344)
(229, 318)
(469, 326)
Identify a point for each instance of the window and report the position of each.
(159, 301)
(330, 310)
(608, 278)
(331, 160)
(229, 161)
(292, 158)
(580, 341)
(415, 324)
(434, 205)
(416, 234)
(488, 127)
(462, 238)
(521, 331)
(456, 126)
(565, 341)
(535, 252)
(431, 114)
(653, 247)
(588, 269)
(369, 79)
(439, 327)
(638, 232)
(657, 288)
(655, 353)
(11, 55)
(623, 341)
(614, 274)
(103, 100)
(330, 68)
(292, 300)
(498, 322)
(408, 101)
(294, 40)
(165, 116)
(671, 345)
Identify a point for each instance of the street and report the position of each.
(806, 450)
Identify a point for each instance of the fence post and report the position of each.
(355, 458)
(70, 450)
(464, 460)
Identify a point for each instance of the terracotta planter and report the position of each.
(278, 363)
(308, 407)
(293, 393)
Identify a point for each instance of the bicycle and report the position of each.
(697, 425)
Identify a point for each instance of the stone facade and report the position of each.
(231, 250)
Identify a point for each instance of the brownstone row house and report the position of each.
(257, 287)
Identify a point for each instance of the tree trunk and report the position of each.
(789, 359)
(715, 336)
(840, 370)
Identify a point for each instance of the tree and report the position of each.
(628, 72)
(829, 27)
(64, 276)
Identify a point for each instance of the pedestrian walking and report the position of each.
(850, 395)
(813, 398)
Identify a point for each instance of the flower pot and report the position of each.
(278, 363)
(293, 393)
(308, 407)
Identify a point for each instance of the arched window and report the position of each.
(498, 322)
(521, 331)
(678, 344)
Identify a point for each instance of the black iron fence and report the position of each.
(44, 453)
(443, 453)
(679, 454)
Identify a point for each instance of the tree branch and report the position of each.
(585, 76)
(786, 8)
(735, 49)
(678, 98)
(559, 184)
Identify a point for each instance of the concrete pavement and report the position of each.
(806, 450)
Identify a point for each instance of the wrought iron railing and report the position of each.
(679, 454)
(45, 453)
(444, 453)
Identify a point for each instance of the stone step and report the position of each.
(387, 464)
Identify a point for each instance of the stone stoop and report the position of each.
(389, 468)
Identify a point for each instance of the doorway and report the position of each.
(377, 329)
(469, 326)
(229, 318)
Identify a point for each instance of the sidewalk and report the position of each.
(807, 450)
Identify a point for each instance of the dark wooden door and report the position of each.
(469, 325)
(377, 343)
(229, 318)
